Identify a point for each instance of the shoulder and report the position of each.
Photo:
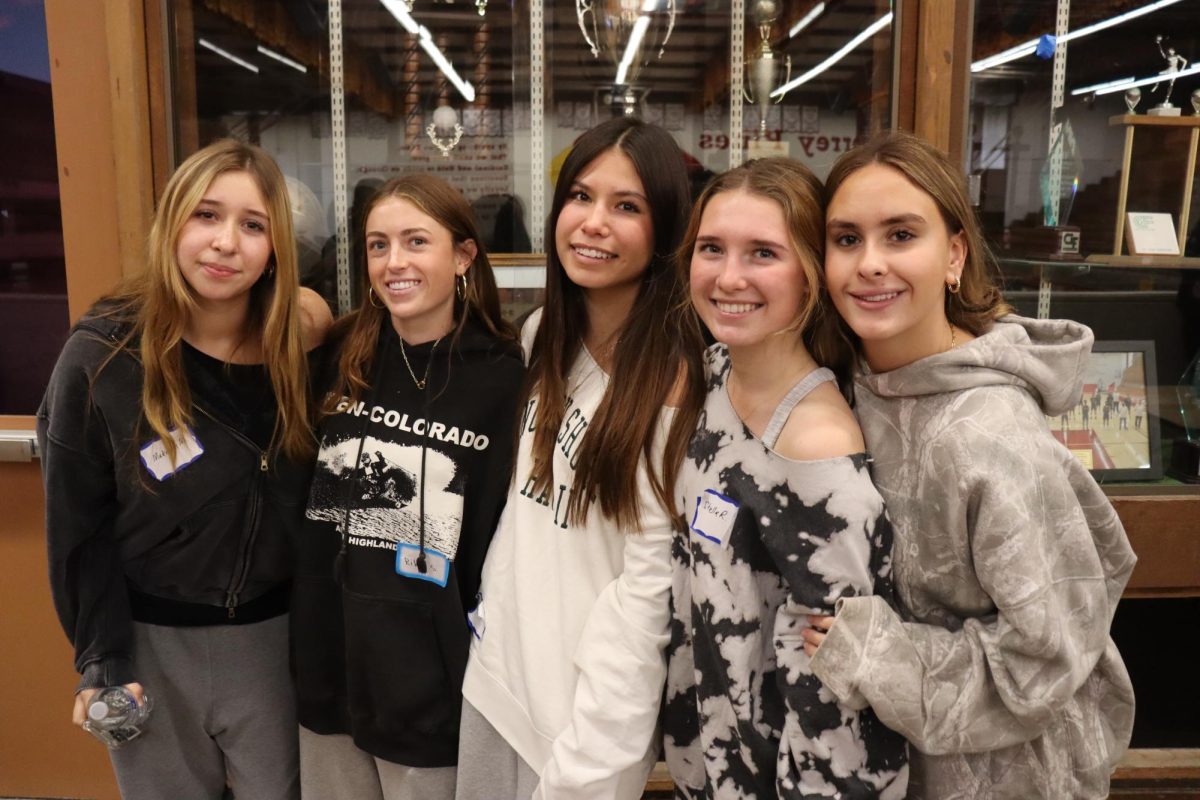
(821, 426)
(315, 318)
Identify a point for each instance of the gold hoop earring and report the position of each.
(371, 298)
(460, 287)
(954, 288)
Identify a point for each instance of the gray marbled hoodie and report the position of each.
(1008, 563)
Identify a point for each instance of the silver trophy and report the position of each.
(763, 69)
(1133, 96)
(1175, 65)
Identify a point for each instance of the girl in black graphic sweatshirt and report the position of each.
(415, 455)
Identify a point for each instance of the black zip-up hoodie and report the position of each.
(205, 544)
(378, 654)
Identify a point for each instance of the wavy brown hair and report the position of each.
(158, 302)
(359, 330)
(799, 194)
(978, 302)
(658, 347)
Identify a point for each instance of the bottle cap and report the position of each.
(98, 710)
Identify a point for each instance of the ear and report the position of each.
(464, 256)
(958, 257)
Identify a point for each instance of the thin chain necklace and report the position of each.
(420, 383)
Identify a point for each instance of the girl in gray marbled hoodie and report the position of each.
(1008, 559)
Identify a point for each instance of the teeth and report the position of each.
(735, 308)
(878, 298)
(397, 286)
(592, 253)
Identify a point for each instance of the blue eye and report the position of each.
(764, 252)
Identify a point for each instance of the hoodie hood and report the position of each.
(1046, 357)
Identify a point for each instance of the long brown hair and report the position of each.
(978, 302)
(359, 330)
(158, 302)
(798, 192)
(657, 347)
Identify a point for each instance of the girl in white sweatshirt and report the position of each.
(566, 671)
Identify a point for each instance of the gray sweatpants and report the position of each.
(223, 712)
(488, 767)
(332, 767)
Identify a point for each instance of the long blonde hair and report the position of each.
(158, 302)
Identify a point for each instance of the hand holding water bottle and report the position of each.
(114, 714)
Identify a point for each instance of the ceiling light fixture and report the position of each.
(399, 10)
(807, 20)
(1159, 78)
(870, 31)
(296, 65)
(1097, 86)
(226, 54)
(1027, 48)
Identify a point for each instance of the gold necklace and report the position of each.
(952, 336)
(420, 384)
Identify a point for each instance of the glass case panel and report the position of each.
(33, 287)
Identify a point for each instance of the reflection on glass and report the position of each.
(33, 289)
(445, 88)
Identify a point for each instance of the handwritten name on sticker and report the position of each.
(158, 462)
(714, 517)
(437, 566)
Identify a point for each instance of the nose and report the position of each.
(596, 221)
(225, 237)
(872, 264)
(732, 277)
(396, 258)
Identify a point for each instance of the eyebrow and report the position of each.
(898, 219)
(218, 204)
(618, 193)
(405, 232)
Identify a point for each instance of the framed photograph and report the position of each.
(1113, 430)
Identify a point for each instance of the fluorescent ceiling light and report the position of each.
(1027, 48)
(1105, 85)
(399, 10)
(807, 19)
(226, 54)
(870, 31)
(1159, 78)
(631, 48)
(282, 59)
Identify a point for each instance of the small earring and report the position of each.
(371, 298)
(956, 286)
(460, 287)
(270, 270)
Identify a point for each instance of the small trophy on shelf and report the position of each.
(1185, 453)
(1058, 182)
(1175, 65)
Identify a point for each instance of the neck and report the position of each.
(934, 337)
(607, 312)
(219, 330)
(415, 333)
(772, 365)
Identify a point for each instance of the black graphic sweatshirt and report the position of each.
(379, 644)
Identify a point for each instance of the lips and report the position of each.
(218, 271)
(735, 308)
(876, 297)
(592, 252)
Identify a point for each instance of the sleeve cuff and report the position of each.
(840, 656)
(116, 671)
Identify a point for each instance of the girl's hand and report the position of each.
(813, 636)
(84, 698)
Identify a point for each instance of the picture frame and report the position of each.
(1114, 429)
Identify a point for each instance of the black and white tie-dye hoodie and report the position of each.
(768, 541)
(1009, 562)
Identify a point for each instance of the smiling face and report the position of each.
(225, 244)
(604, 235)
(888, 260)
(747, 280)
(412, 264)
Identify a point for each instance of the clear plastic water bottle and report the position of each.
(115, 717)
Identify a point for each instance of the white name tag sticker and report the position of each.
(158, 462)
(714, 517)
(437, 566)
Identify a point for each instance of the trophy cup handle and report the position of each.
(583, 7)
(787, 77)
